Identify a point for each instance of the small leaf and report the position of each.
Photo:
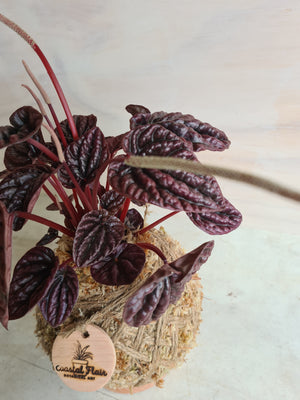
(121, 267)
(186, 266)
(19, 189)
(32, 277)
(217, 222)
(84, 157)
(26, 122)
(112, 201)
(134, 109)
(151, 300)
(114, 143)
(5, 262)
(97, 235)
(51, 235)
(133, 220)
(61, 296)
(83, 123)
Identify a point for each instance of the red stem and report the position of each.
(49, 193)
(80, 192)
(57, 124)
(156, 250)
(154, 224)
(44, 221)
(44, 149)
(125, 209)
(63, 195)
(58, 89)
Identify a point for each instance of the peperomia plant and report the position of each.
(97, 215)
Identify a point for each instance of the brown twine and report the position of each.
(144, 354)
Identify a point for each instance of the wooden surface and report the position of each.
(236, 65)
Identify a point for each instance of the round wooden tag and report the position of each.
(84, 360)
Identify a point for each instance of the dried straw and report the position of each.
(144, 354)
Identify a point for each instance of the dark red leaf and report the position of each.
(114, 143)
(174, 190)
(83, 123)
(5, 262)
(97, 235)
(202, 135)
(155, 140)
(32, 277)
(217, 222)
(134, 109)
(19, 189)
(61, 296)
(84, 157)
(186, 266)
(51, 235)
(26, 122)
(121, 267)
(133, 220)
(112, 201)
(151, 300)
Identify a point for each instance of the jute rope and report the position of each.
(144, 354)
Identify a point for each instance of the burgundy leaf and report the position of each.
(51, 235)
(97, 235)
(133, 220)
(121, 267)
(61, 296)
(186, 266)
(32, 277)
(217, 222)
(114, 143)
(26, 122)
(151, 300)
(5, 262)
(112, 201)
(84, 157)
(19, 189)
(134, 109)
(174, 190)
(202, 135)
(54, 207)
(155, 140)
(83, 123)
(21, 154)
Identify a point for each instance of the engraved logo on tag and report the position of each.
(84, 360)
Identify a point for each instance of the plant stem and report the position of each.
(125, 209)
(44, 149)
(80, 192)
(44, 221)
(149, 246)
(159, 221)
(173, 163)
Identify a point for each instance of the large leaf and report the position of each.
(151, 300)
(121, 267)
(202, 135)
(32, 277)
(97, 235)
(186, 266)
(19, 189)
(5, 261)
(84, 158)
(217, 222)
(61, 296)
(83, 123)
(26, 122)
(174, 190)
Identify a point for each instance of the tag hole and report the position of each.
(85, 334)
